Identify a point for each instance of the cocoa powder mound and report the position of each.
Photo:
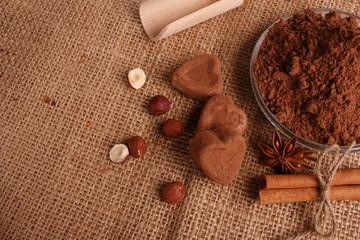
(308, 73)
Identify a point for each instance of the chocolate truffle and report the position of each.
(219, 153)
(220, 110)
(199, 78)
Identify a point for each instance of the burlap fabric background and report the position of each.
(56, 180)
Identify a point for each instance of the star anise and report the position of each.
(286, 156)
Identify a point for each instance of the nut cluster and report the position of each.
(159, 105)
(136, 147)
(174, 192)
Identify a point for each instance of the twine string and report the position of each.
(325, 174)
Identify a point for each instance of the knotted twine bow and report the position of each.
(325, 176)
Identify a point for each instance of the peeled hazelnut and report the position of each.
(119, 153)
(173, 193)
(173, 128)
(158, 105)
(137, 146)
(137, 78)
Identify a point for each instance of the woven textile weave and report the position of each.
(65, 101)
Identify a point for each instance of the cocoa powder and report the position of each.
(308, 73)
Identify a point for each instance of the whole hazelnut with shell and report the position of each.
(173, 193)
(172, 128)
(158, 105)
(137, 146)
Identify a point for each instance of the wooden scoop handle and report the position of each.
(163, 18)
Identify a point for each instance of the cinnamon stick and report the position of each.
(268, 196)
(308, 180)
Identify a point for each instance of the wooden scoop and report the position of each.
(162, 18)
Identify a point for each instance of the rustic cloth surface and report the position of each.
(65, 100)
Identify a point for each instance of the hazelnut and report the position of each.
(173, 128)
(137, 78)
(119, 153)
(137, 146)
(173, 193)
(158, 105)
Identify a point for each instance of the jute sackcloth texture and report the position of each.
(65, 100)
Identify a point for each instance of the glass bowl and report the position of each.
(278, 125)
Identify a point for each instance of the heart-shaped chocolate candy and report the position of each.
(219, 111)
(219, 153)
(199, 78)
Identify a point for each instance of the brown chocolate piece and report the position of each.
(220, 110)
(219, 153)
(199, 78)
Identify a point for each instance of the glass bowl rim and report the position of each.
(277, 124)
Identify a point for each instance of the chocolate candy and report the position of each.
(199, 78)
(220, 110)
(219, 146)
(219, 153)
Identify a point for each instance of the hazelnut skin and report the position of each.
(158, 105)
(137, 146)
(172, 128)
(173, 193)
